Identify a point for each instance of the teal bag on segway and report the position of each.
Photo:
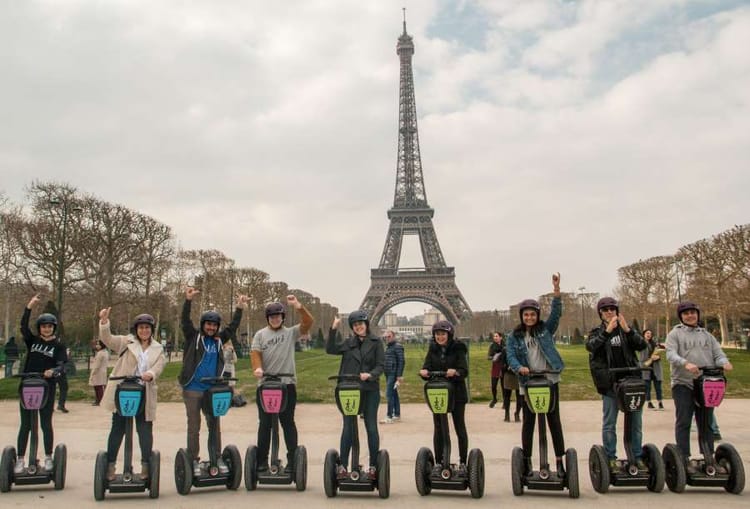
(439, 396)
(130, 398)
(631, 393)
(217, 399)
(539, 395)
(348, 397)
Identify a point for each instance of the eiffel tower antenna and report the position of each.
(411, 215)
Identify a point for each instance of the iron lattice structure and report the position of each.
(435, 284)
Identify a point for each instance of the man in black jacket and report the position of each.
(201, 359)
(394, 376)
(613, 345)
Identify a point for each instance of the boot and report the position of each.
(144, 471)
(493, 403)
(528, 468)
(111, 468)
(517, 417)
(650, 406)
(507, 415)
(560, 468)
(289, 469)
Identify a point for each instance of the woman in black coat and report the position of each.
(449, 355)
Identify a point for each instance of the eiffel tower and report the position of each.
(435, 284)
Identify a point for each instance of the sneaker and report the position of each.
(613, 466)
(49, 465)
(372, 473)
(289, 468)
(461, 469)
(144, 472)
(651, 406)
(692, 467)
(111, 468)
(517, 417)
(641, 464)
(717, 436)
(387, 420)
(197, 470)
(62, 409)
(341, 472)
(493, 403)
(560, 468)
(661, 405)
(20, 466)
(223, 468)
(396, 418)
(262, 467)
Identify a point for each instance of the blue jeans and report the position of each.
(609, 428)
(394, 404)
(369, 407)
(9, 368)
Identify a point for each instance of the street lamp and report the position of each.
(583, 314)
(61, 259)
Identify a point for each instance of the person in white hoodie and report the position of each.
(690, 347)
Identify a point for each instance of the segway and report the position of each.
(348, 398)
(540, 400)
(631, 395)
(271, 394)
(33, 392)
(723, 468)
(438, 392)
(130, 402)
(216, 400)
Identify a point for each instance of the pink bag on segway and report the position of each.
(712, 391)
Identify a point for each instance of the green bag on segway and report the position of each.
(539, 395)
(439, 396)
(348, 397)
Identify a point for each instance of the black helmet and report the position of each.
(443, 325)
(359, 315)
(685, 306)
(529, 304)
(606, 302)
(144, 318)
(46, 319)
(210, 316)
(275, 308)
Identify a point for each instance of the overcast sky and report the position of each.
(555, 135)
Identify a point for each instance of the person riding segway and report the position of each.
(445, 369)
(357, 391)
(614, 367)
(698, 385)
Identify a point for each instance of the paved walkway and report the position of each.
(85, 430)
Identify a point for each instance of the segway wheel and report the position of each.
(100, 475)
(154, 471)
(183, 472)
(674, 468)
(516, 471)
(251, 468)
(330, 483)
(475, 467)
(384, 474)
(422, 469)
(599, 469)
(300, 468)
(571, 473)
(729, 458)
(231, 456)
(60, 459)
(655, 468)
(7, 464)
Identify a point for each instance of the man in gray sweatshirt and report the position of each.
(690, 346)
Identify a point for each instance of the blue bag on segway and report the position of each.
(33, 393)
(217, 399)
(439, 396)
(130, 398)
(348, 397)
(631, 393)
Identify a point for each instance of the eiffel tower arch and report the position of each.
(435, 284)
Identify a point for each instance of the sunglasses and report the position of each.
(609, 308)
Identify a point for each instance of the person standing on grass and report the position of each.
(394, 376)
(98, 371)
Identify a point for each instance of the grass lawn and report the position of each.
(314, 366)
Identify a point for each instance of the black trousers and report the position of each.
(63, 382)
(459, 424)
(684, 408)
(506, 399)
(553, 423)
(45, 422)
(145, 432)
(286, 419)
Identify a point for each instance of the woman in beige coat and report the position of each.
(141, 355)
(98, 374)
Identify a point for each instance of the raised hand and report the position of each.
(36, 299)
(104, 315)
(291, 300)
(191, 292)
(556, 281)
(336, 322)
(242, 300)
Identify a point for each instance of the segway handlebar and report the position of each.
(36, 374)
(437, 374)
(544, 372)
(217, 380)
(129, 378)
(344, 377)
(711, 368)
(630, 369)
(276, 376)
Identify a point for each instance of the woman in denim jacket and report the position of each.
(531, 347)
